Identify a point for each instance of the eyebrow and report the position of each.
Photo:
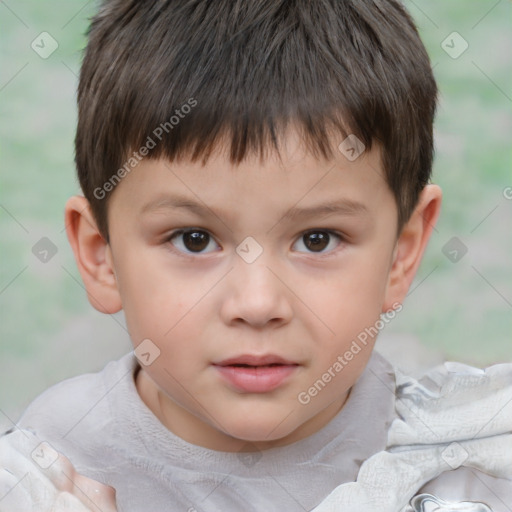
(346, 207)
(342, 207)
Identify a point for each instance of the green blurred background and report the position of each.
(456, 309)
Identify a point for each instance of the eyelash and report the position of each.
(330, 232)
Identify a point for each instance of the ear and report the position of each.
(411, 245)
(93, 256)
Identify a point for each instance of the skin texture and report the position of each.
(292, 301)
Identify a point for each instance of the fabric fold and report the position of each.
(455, 416)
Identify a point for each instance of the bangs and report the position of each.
(193, 131)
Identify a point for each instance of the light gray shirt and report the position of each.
(100, 423)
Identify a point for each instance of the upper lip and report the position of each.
(255, 360)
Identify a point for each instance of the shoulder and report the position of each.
(80, 404)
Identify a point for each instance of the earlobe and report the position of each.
(411, 245)
(93, 256)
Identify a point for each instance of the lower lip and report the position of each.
(256, 379)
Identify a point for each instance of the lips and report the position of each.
(255, 360)
(256, 374)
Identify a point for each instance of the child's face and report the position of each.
(210, 297)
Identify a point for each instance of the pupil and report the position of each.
(316, 241)
(195, 240)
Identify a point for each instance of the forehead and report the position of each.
(292, 178)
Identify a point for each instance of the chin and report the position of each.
(255, 429)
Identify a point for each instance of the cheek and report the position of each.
(156, 301)
(348, 309)
(352, 299)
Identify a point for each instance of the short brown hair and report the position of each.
(250, 68)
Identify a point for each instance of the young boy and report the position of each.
(256, 196)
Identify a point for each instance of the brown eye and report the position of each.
(319, 240)
(192, 241)
(316, 241)
(196, 240)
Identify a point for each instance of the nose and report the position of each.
(256, 295)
